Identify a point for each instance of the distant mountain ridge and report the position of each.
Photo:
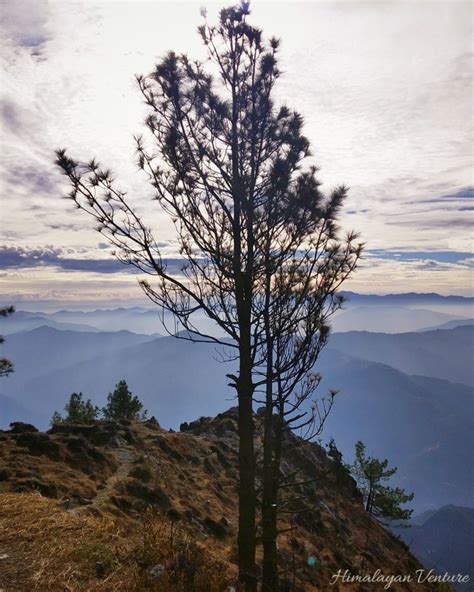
(444, 354)
(393, 313)
(133, 319)
(450, 325)
(46, 349)
(406, 297)
(390, 318)
(25, 321)
(444, 541)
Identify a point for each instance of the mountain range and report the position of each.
(394, 393)
(393, 313)
(443, 540)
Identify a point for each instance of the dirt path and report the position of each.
(125, 457)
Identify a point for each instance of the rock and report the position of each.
(100, 569)
(152, 422)
(103, 433)
(156, 572)
(18, 427)
(153, 496)
(66, 504)
(216, 528)
(225, 522)
(40, 444)
(4, 556)
(36, 486)
(117, 441)
(174, 514)
(181, 560)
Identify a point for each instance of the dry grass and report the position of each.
(169, 499)
(54, 465)
(50, 549)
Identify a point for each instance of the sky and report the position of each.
(385, 89)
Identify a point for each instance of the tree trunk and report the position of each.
(247, 498)
(270, 488)
(270, 581)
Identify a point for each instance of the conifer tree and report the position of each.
(78, 411)
(122, 404)
(230, 169)
(381, 501)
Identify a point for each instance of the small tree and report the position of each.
(78, 411)
(382, 502)
(6, 367)
(340, 468)
(122, 404)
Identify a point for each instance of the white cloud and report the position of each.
(385, 89)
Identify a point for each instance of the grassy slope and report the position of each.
(134, 496)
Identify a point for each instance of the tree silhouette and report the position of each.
(252, 227)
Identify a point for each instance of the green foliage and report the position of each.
(381, 501)
(122, 404)
(6, 367)
(78, 411)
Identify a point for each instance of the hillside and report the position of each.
(107, 506)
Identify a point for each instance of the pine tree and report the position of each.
(229, 168)
(381, 501)
(78, 411)
(122, 404)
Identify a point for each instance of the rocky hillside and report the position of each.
(134, 507)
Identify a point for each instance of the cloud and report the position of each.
(390, 119)
(22, 258)
(10, 115)
(12, 258)
(466, 192)
(399, 255)
(26, 24)
(70, 227)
